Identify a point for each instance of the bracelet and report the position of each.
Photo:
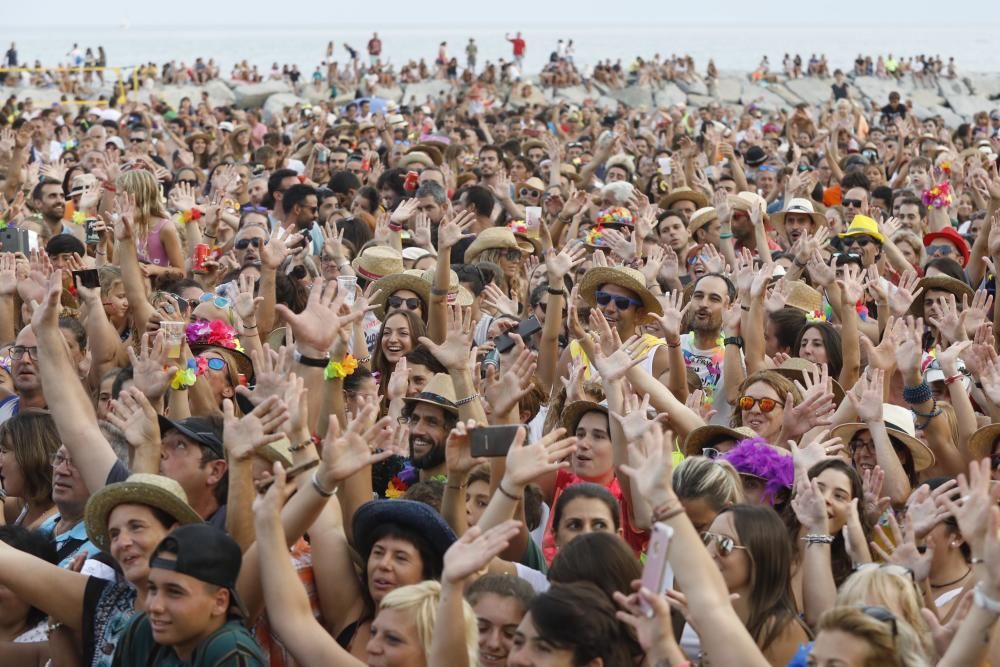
(364, 360)
(457, 487)
(336, 370)
(300, 446)
(467, 399)
(665, 512)
(734, 340)
(250, 326)
(953, 378)
(677, 344)
(100, 252)
(507, 493)
(726, 235)
(555, 292)
(745, 309)
(439, 291)
(319, 489)
(983, 601)
(918, 394)
(314, 362)
(816, 538)
(209, 236)
(935, 411)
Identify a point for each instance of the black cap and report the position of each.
(755, 156)
(204, 552)
(206, 431)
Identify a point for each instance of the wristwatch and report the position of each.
(734, 340)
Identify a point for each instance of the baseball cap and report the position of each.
(117, 141)
(226, 126)
(755, 156)
(203, 430)
(204, 552)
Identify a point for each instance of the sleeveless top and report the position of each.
(152, 251)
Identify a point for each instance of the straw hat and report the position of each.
(431, 150)
(702, 217)
(456, 291)
(573, 412)
(277, 452)
(408, 280)
(378, 261)
(899, 424)
(981, 442)
(862, 225)
(529, 144)
(156, 491)
(191, 138)
(683, 193)
(794, 368)
(493, 237)
(707, 436)
(622, 276)
(798, 205)
(944, 283)
(533, 183)
(439, 392)
(416, 157)
(745, 201)
(621, 161)
(803, 297)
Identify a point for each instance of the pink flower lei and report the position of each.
(215, 332)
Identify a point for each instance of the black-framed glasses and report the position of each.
(243, 244)
(411, 303)
(136, 140)
(852, 203)
(524, 193)
(57, 459)
(884, 615)
(17, 351)
(621, 302)
(723, 543)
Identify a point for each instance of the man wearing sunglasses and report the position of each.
(247, 246)
(863, 238)
(855, 202)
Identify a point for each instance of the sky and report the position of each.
(508, 14)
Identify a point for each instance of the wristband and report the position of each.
(507, 493)
(983, 601)
(734, 340)
(467, 399)
(319, 489)
(185, 377)
(314, 362)
(726, 235)
(190, 214)
(439, 291)
(555, 292)
(953, 378)
(816, 538)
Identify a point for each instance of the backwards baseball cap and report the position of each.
(117, 142)
(206, 431)
(204, 552)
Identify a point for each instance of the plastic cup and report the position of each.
(173, 333)
(348, 285)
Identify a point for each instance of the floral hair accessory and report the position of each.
(615, 215)
(518, 227)
(186, 377)
(755, 457)
(595, 236)
(5, 362)
(215, 332)
(79, 217)
(190, 214)
(340, 369)
(938, 196)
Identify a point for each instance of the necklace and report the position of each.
(952, 583)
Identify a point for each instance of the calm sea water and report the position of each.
(732, 47)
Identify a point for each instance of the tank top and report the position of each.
(152, 251)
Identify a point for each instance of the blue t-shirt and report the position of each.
(73, 541)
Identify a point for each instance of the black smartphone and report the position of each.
(89, 278)
(525, 328)
(492, 441)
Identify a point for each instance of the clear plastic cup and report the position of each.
(173, 333)
(349, 286)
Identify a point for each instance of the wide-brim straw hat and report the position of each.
(488, 239)
(794, 368)
(191, 138)
(527, 244)
(797, 205)
(155, 491)
(941, 282)
(378, 261)
(981, 442)
(416, 157)
(702, 217)
(680, 194)
(803, 297)
(706, 436)
(414, 515)
(439, 391)
(573, 412)
(623, 277)
(899, 424)
(457, 293)
(389, 285)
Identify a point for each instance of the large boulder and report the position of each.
(987, 85)
(693, 88)
(925, 97)
(574, 95)
(812, 90)
(669, 95)
(950, 118)
(393, 93)
(728, 88)
(219, 94)
(276, 104)
(968, 106)
(526, 94)
(763, 96)
(877, 90)
(782, 91)
(635, 96)
(253, 95)
(417, 93)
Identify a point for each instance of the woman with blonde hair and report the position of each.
(158, 243)
(499, 246)
(705, 487)
(892, 587)
(911, 247)
(863, 637)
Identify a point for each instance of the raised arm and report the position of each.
(450, 232)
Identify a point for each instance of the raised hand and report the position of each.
(452, 230)
(246, 304)
(905, 293)
(559, 264)
(475, 549)
(622, 247)
(453, 353)
(458, 458)
(272, 374)
(274, 252)
(526, 464)
(496, 302)
(869, 396)
(972, 509)
(617, 364)
(979, 311)
(651, 471)
(241, 436)
(344, 454)
(318, 324)
(925, 508)
(908, 336)
(778, 296)
(134, 415)
(502, 393)
(152, 370)
(818, 449)
(810, 507)
(904, 551)
(634, 422)
(673, 315)
(872, 481)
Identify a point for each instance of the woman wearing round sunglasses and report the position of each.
(499, 246)
(750, 546)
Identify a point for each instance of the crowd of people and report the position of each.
(532, 385)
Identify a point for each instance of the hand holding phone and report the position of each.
(654, 572)
(492, 441)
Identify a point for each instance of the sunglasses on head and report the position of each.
(884, 615)
(853, 203)
(411, 303)
(243, 244)
(723, 543)
(219, 301)
(621, 302)
(766, 404)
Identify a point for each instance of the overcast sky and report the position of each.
(504, 13)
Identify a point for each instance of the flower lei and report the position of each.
(518, 227)
(186, 376)
(938, 196)
(79, 217)
(3, 224)
(190, 214)
(595, 235)
(617, 215)
(407, 477)
(340, 369)
(215, 332)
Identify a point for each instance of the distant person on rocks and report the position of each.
(519, 46)
(10, 58)
(374, 48)
(471, 51)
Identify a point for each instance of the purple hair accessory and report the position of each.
(754, 456)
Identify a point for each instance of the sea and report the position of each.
(733, 47)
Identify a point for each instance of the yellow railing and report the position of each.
(122, 97)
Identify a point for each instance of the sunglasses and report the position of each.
(215, 363)
(710, 452)
(528, 192)
(250, 208)
(724, 543)
(746, 403)
(512, 255)
(243, 244)
(219, 301)
(853, 203)
(18, 351)
(884, 615)
(136, 140)
(412, 303)
(860, 241)
(621, 302)
(768, 168)
(940, 250)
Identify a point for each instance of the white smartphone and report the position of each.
(664, 163)
(654, 572)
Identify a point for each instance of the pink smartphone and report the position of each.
(654, 572)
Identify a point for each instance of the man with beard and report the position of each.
(49, 201)
(797, 218)
(703, 346)
(301, 206)
(491, 162)
(430, 415)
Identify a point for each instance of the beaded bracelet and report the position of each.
(918, 394)
(816, 538)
